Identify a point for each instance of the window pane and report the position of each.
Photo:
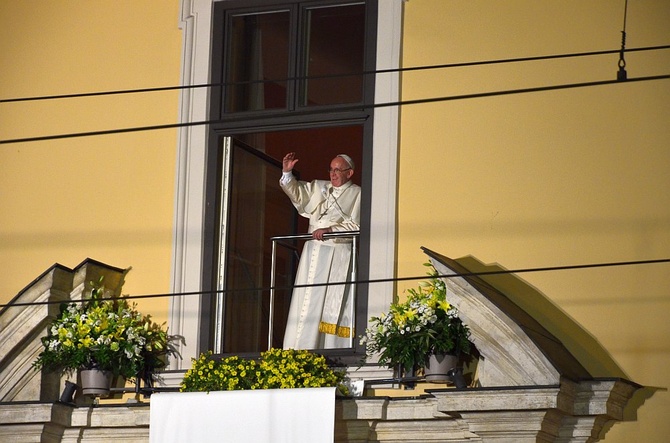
(258, 61)
(257, 211)
(334, 48)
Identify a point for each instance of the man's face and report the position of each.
(340, 172)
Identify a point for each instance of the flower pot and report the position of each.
(438, 367)
(95, 382)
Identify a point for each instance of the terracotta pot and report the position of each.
(438, 367)
(95, 382)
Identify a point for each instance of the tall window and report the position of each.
(290, 76)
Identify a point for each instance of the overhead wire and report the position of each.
(345, 108)
(369, 281)
(250, 119)
(356, 107)
(332, 76)
(622, 75)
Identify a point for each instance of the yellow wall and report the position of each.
(549, 178)
(542, 179)
(108, 197)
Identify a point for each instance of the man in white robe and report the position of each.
(320, 316)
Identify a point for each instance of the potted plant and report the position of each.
(276, 369)
(425, 325)
(106, 335)
(228, 374)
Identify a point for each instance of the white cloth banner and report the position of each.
(304, 415)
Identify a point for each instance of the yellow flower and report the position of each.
(84, 329)
(410, 314)
(444, 305)
(85, 342)
(62, 334)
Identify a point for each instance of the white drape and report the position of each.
(305, 415)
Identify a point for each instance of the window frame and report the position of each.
(289, 119)
(191, 203)
(222, 13)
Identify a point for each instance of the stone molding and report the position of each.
(516, 349)
(64, 423)
(563, 413)
(22, 324)
(513, 402)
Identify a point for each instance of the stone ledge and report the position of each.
(59, 422)
(518, 414)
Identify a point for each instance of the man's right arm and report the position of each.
(286, 177)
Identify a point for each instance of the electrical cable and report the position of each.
(339, 109)
(622, 75)
(332, 76)
(370, 281)
(352, 108)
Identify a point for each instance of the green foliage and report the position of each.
(422, 325)
(277, 369)
(228, 374)
(290, 368)
(108, 334)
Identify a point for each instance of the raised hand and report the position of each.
(289, 161)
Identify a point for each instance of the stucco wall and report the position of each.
(107, 197)
(553, 178)
(527, 180)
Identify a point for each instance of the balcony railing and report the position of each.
(282, 241)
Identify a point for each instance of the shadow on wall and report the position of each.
(579, 342)
(584, 346)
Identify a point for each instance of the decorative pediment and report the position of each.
(516, 349)
(24, 321)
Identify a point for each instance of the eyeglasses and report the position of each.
(337, 170)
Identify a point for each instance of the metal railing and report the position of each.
(278, 241)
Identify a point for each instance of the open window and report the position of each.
(252, 210)
(272, 62)
(195, 271)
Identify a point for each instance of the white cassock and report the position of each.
(320, 316)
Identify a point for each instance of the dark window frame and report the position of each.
(223, 10)
(272, 120)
